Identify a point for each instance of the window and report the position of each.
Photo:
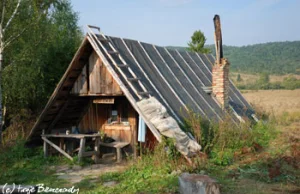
(113, 114)
(118, 113)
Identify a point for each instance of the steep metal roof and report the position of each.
(174, 77)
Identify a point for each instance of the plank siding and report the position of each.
(80, 86)
(96, 119)
(94, 74)
(97, 82)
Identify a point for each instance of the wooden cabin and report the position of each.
(108, 77)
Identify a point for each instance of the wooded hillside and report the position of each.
(272, 58)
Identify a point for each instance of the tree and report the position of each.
(34, 35)
(264, 78)
(239, 78)
(263, 81)
(197, 43)
(7, 16)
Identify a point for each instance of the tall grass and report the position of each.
(222, 141)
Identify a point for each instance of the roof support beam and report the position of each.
(61, 111)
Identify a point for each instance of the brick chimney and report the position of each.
(220, 82)
(220, 71)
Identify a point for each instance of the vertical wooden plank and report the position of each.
(96, 148)
(103, 114)
(99, 79)
(103, 78)
(119, 155)
(92, 64)
(97, 118)
(134, 140)
(81, 149)
(116, 88)
(132, 115)
(100, 75)
(97, 76)
(75, 88)
(95, 79)
(45, 147)
(61, 143)
(108, 82)
(94, 127)
(82, 86)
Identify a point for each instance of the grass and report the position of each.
(264, 159)
(156, 172)
(153, 173)
(22, 165)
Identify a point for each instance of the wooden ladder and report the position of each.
(111, 52)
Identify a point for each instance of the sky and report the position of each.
(172, 22)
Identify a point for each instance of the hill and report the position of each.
(273, 58)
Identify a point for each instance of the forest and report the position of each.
(41, 41)
(273, 58)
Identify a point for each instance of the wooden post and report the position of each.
(119, 154)
(97, 155)
(81, 149)
(45, 149)
(62, 143)
(135, 143)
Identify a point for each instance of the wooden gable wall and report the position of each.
(96, 119)
(95, 80)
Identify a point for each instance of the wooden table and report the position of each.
(81, 153)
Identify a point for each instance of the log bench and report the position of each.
(118, 146)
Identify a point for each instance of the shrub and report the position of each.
(239, 78)
(291, 83)
(202, 129)
(223, 140)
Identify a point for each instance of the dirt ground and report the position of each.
(275, 101)
(75, 174)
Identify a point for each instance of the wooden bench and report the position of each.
(118, 145)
